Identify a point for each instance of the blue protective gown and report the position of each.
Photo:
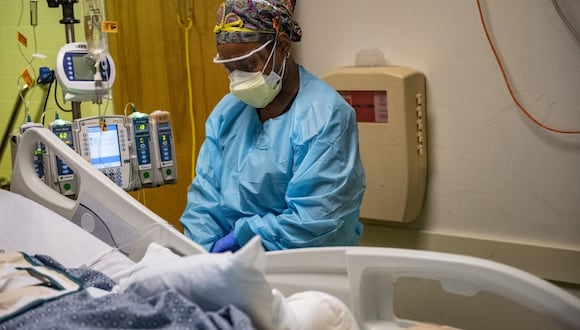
(296, 180)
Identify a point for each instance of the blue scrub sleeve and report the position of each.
(323, 197)
(203, 218)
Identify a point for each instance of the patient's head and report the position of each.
(321, 311)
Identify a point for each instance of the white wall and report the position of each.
(493, 174)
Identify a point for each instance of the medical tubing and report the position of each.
(106, 103)
(508, 84)
(41, 120)
(139, 192)
(12, 120)
(186, 29)
(56, 99)
(46, 101)
(147, 230)
(28, 61)
(33, 12)
(92, 262)
(133, 108)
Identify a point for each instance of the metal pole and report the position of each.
(70, 37)
(69, 20)
(69, 30)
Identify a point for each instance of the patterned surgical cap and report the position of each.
(255, 21)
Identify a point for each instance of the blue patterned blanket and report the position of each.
(127, 310)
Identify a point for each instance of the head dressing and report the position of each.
(255, 21)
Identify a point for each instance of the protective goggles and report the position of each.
(216, 58)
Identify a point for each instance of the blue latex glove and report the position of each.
(226, 243)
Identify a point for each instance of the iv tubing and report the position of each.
(506, 80)
(186, 29)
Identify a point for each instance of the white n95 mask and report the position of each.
(256, 88)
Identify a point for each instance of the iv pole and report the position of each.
(68, 19)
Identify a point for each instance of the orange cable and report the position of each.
(509, 87)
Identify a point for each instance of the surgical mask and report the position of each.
(256, 88)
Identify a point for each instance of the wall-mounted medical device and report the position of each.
(164, 146)
(104, 142)
(81, 77)
(390, 106)
(62, 177)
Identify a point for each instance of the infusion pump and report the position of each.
(104, 142)
(135, 152)
(81, 77)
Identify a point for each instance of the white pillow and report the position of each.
(283, 316)
(213, 281)
(321, 311)
(155, 254)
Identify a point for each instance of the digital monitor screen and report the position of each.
(104, 147)
(64, 134)
(141, 125)
(83, 67)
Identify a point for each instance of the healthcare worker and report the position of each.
(281, 156)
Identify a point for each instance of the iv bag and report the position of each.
(94, 15)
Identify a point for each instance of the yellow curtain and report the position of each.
(150, 57)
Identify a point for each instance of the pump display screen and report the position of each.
(104, 146)
(164, 135)
(64, 133)
(83, 67)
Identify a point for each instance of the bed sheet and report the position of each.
(32, 228)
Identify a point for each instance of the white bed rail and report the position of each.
(123, 221)
(364, 278)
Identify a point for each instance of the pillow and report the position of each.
(283, 316)
(321, 311)
(155, 254)
(213, 281)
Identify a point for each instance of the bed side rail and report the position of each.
(364, 279)
(102, 208)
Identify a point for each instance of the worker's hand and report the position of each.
(226, 243)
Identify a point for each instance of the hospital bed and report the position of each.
(117, 231)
